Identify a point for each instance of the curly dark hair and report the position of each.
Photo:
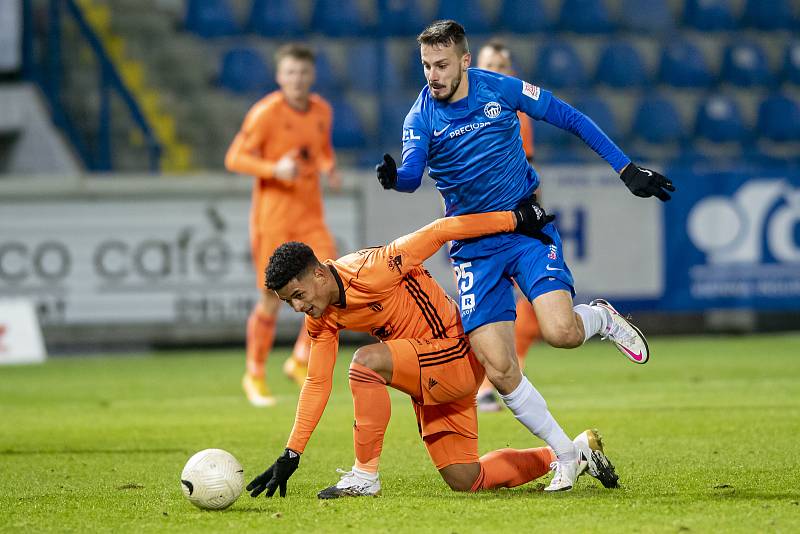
(289, 260)
(445, 33)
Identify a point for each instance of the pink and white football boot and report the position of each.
(628, 339)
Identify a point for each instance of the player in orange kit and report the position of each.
(496, 56)
(285, 143)
(423, 352)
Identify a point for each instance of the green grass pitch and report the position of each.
(705, 439)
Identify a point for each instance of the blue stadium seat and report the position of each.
(745, 64)
(558, 65)
(585, 16)
(275, 18)
(779, 118)
(394, 109)
(646, 15)
(348, 131)
(401, 17)
(210, 18)
(709, 15)
(657, 121)
(719, 120)
(547, 134)
(769, 15)
(243, 70)
(684, 65)
(327, 79)
(524, 16)
(368, 70)
(597, 110)
(620, 65)
(469, 13)
(791, 63)
(338, 18)
(415, 76)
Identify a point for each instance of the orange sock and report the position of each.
(526, 329)
(260, 335)
(507, 468)
(372, 409)
(302, 347)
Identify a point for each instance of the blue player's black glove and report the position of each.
(387, 172)
(646, 183)
(531, 218)
(276, 476)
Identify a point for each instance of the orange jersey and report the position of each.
(526, 132)
(387, 292)
(271, 130)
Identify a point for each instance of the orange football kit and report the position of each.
(387, 292)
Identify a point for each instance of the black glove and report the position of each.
(646, 183)
(277, 475)
(387, 172)
(531, 218)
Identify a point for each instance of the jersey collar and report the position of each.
(342, 303)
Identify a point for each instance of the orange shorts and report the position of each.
(442, 377)
(263, 244)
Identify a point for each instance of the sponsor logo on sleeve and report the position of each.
(530, 90)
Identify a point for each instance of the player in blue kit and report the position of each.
(464, 128)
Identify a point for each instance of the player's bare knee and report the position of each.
(460, 477)
(562, 336)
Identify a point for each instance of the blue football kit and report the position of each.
(474, 154)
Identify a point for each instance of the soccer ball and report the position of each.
(212, 479)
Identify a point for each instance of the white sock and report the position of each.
(365, 474)
(530, 409)
(595, 320)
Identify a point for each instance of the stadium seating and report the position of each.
(719, 120)
(470, 13)
(769, 15)
(210, 18)
(646, 16)
(393, 112)
(558, 65)
(684, 65)
(596, 109)
(243, 70)
(657, 121)
(338, 18)
(348, 131)
(415, 76)
(401, 17)
(524, 16)
(745, 64)
(709, 15)
(275, 18)
(371, 68)
(585, 16)
(327, 80)
(620, 65)
(791, 63)
(779, 119)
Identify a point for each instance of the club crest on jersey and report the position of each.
(553, 253)
(492, 110)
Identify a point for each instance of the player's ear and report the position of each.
(466, 60)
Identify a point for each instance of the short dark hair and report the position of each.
(498, 45)
(289, 260)
(297, 51)
(444, 33)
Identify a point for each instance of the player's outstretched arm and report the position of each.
(408, 177)
(313, 399)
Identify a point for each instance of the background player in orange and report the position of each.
(496, 56)
(285, 143)
(423, 352)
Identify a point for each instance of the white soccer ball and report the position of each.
(212, 479)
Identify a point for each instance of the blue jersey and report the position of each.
(473, 147)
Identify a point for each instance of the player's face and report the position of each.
(307, 294)
(295, 77)
(491, 59)
(444, 68)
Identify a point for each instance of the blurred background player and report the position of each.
(496, 56)
(285, 143)
(386, 291)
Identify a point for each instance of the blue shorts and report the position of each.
(486, 269)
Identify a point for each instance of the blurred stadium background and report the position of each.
(118, 221)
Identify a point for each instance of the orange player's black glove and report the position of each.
(276, 475)
(531, 219)
(387, 172)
